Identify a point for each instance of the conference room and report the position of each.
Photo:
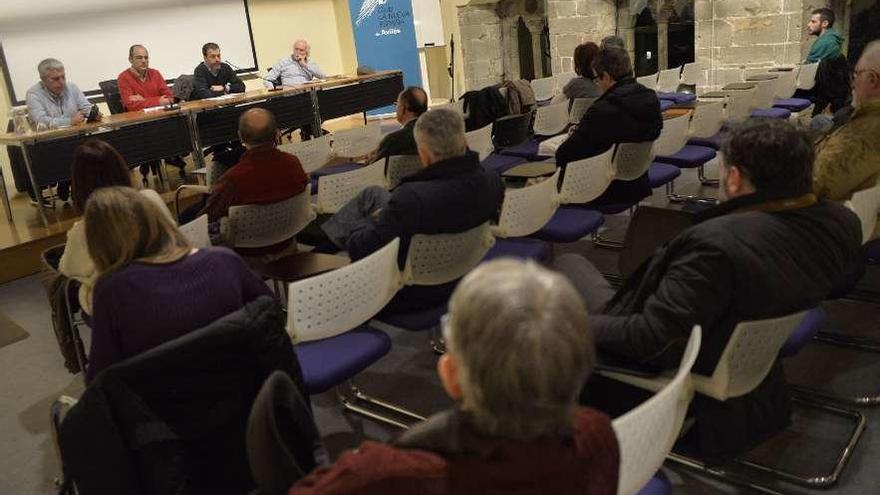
(455, 246)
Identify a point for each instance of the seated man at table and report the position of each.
(295, 69)
(142, 87)
(213, 77)
(848, 158)
(451, 194)
(264, 174)
(627, 112)
(412, 102)
(516, 426)
(770, 249)
(53, 102)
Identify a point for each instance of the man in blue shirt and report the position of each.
(53, 102)
(296, 69)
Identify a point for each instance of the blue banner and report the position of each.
(385, 39)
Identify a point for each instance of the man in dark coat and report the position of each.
(770, 249)
(627, 112)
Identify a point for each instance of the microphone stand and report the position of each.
(275, 86)
(451, 68)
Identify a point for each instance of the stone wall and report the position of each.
(573, 22)
(483, 57)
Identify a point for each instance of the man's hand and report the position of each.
(77, 119)
(135, 98)
(218, 88)
(164, 100)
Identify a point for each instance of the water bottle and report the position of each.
(20, 122)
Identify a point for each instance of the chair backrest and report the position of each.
(632, 160)
(312, 154)
(527, 209)
(357, 141)
(669, 79)
(865, 204)
(649, 81)
(673, 137)
(335, 302)
(786, 84)
(586, 180)
(750, 353)
(579, 107)
(560, 98)
(551, 120)
(400, 166)
(110, 91)
(646, 434)
(563, 78)
(739, 105)
(544, 88)
(254, 226)
(764, 94)
(511, 130)
(335, 190)
(480, 141)
(650, 228)
(440, 258)
(690, 74)
(196, 232)
(806, 77)
(707, 120)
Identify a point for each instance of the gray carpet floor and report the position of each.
(33, 376)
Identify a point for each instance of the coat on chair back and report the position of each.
(172, 420)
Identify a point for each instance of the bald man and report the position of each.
(295, 69)
(263, 175)
(847, 158)
(411, 102)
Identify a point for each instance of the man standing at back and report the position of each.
(295, 69)
(770, 249)
(829, 42)
(212, 77)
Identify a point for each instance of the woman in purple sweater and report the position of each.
(152, 285)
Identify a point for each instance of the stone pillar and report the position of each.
(535, 28)
(481, 45)
(573, 22)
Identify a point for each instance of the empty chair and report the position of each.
(400, 166)
(196, 232)
(762, 104)
(706, 124)
(686, 156)
(649, 81)
(331, 340)
(334, 191)
(786, 86)
(579, 107)
(544, 88)
(672, 139)
(312, 154)
(256, 226)
(551, 120)
(110, 91)
(646, 434)
(739, 105)
(691, 74)
(511, 130)
(480, 141)
(806, 77)
(668, 80)
(356, 142)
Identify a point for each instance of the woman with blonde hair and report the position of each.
(152, 285)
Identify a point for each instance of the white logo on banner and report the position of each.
(367, 9)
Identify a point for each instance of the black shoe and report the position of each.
(63, 192)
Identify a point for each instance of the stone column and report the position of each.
(535, 28)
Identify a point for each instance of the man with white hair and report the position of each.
(848, 158)
(518, 346)
(53, 101)
(295, 69)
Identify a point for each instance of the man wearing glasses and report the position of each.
(848, 158)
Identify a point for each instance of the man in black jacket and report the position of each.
(627, 112)
(770, 249)
(213, 77)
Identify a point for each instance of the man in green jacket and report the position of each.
(829, 43)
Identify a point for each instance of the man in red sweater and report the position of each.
(263, 175)
(142, 87)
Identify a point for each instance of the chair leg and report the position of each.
(718, 474)
(821, 480)
(350, 396)
(701, 174)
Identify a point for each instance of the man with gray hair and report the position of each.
(452, 193)
(54, 102)
(612, 41)
(295, 69)
(518, 345)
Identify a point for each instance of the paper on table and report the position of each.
(154, 109)
(549, 146)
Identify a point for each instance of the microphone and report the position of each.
(275, 86)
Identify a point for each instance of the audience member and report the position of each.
(518, 348)
(769, 249)
(213, 77)
(152, 286)
(612, 42)
(627, 112)
(848, 158)
(295, 69)
(411, 103)
(263, 175)
(96, 164)
(829, 42)
(583, 86)
(141, 87)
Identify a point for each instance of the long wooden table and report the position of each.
(146, 136)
